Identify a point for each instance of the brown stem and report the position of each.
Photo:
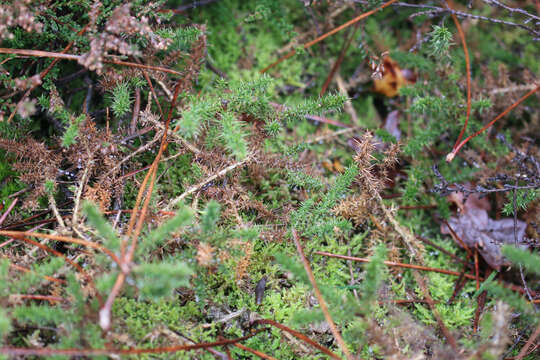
(298, 335)
(452, 155)
(11, 351)
(468, 67)
(330, 33)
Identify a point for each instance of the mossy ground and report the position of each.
(243, 37)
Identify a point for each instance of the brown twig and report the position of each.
(416, 267)
(45, 72)
(318, 295)
(23, 234)
(468, 67)
(23, 269)
(528, 344)
(137, 220)
(11, 351)
(298, 335)
(254, 352)
(209, 179)
(8, 210)
(330, 33)
(480, 302)
(38, 297)
(456, 149)
(339, 60)
(62, 56)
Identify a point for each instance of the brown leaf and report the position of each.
(391, 78)
(474, 227)
(473, 201)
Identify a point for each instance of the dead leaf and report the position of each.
(393, 78)
(475, 228)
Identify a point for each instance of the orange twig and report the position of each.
(56, 253)
(134, 228)
(417, 267)
(22, 234)
(396, 264)
(339, 60)
(298, 335)
(11, 351)
(451, 155)
(39, 297)
(320, 298)
(528, 344)
(468, 66)
(254, 352)
(23, 269)
(330, 33)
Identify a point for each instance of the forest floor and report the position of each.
(270, 179)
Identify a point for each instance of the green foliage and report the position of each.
(158, 280)
(210, 216)
(182, 37)
(5, 324)
(530, 262)
(103, 227)
(303, 180)
(441, 39)
(158, 236)
(72, 131)
(313, 219)
(373, 278)
(512, 298)
(192, 271)
(523, 198)
(233, 135)
(43, 315)
(121, 99)
(332, 102)
(50, 186)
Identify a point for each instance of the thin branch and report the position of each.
(137, 220)
(62, 56)
(254, 352)
(468, 68)
(511, 9)
(330, 33)
(339, 60)
(8, 210)
(44, 73)
(456, 149)
(209, 179)
(528, 344)
(22, 234)
(298, 335)
(11, 351)
(418, 267)
(78, 194)
(23, 269)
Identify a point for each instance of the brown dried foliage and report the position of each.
(194, 61)
(35, 163)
